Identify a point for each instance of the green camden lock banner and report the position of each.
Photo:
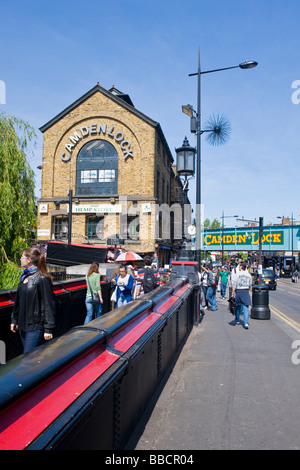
(252, 238)
(274, 238)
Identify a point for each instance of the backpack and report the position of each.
(215, 279)
(149, 282)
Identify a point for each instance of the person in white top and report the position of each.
(241, 285)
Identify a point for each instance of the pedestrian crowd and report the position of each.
(131, 283)
(239, 281)
(33, 314)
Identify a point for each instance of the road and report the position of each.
(284, 304)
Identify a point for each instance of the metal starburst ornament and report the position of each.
(218, 129)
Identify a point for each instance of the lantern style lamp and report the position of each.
(186, 159)
(185, 168)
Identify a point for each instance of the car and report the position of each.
(216, 264)
(268, 278)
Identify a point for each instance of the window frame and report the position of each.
(63, 222)
(94, 158)
(88, 224)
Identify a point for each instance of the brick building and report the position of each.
(119, 168)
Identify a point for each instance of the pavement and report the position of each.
(229, 389)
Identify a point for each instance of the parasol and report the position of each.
(128, 256)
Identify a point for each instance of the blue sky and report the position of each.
(54, 52)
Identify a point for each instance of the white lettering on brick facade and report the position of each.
(98, 129)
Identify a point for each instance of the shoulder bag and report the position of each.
(95, 296)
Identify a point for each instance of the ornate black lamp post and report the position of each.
(185, 168)
(217, 135)
(225, 217)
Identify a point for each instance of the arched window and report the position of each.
(97, 169)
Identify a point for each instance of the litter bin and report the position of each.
(260, 303)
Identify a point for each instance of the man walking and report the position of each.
(204, 287)
(211, 288)
(224, 279)
(241, 285)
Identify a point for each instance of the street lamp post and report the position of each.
(244, 65)
(185, 168)
(260, 235)
(225, 217)
(70, 217)
(293, 265)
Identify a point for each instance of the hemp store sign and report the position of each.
(97, 129)
(97, 209)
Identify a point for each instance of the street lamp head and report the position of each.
(185, 159)
(188, 109)
(249, 64)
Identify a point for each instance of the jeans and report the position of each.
(242, 310)
(121, 301)
(92, 309)
(211, 297)
(204, 289)
(31, 339)
(223, 289)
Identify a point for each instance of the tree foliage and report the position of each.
(212, 225)
(17, 201)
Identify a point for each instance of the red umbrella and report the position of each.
(128, 256)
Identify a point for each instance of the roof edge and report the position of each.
(87, 95)
(115, 98)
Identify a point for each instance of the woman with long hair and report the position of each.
(93, 286)
(34, 309)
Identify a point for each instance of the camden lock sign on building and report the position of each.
(244, 239)
(273, 239)
(97, 129)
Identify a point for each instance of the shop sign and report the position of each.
(97, 129)
(146, 208)
(43, 232)
(97, 208)
(43, 208)
(274, 238)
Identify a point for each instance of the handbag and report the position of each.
(113, 296)
(95, 296)
(232, 306)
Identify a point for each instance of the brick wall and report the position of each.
(136, 174)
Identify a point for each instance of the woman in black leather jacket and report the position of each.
(34, 309)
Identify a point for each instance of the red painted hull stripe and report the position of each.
(78, 286)
(127, 336)
(182, 291)
(5, 303)
(166, 305)
(90, 247)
